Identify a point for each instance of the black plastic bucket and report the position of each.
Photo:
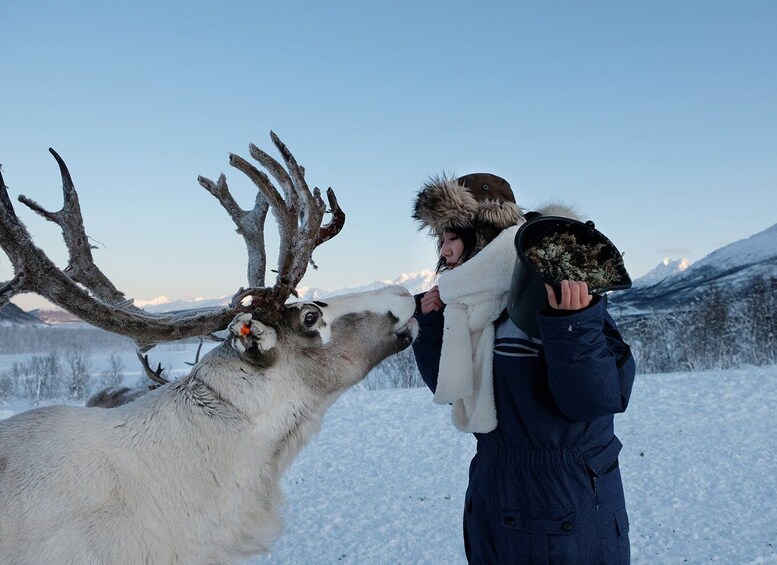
(527, 290)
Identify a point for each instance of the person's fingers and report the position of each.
(566, 295)
(578, 295)
(574, 295)
(431, 301)
(585, 297)
(551, 296)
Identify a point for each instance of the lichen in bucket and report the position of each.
(559, 256)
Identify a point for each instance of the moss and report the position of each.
(559, 256)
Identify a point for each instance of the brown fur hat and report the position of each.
(480, 201)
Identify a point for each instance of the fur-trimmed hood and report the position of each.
(480, 201)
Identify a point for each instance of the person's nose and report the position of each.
(446, 250)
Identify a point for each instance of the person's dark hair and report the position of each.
(468, 237)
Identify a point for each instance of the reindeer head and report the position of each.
(314, 352)
(349, 335)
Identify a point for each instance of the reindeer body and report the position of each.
(189, 473)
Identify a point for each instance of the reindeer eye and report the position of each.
(310, 319)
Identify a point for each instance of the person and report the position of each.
(545, 484)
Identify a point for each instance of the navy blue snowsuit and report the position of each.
(545, 486)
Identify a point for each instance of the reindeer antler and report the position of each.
(84, 290)
(299, 214)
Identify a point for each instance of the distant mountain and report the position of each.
(163, 304)
(414, 282)
(54, 317)
(12, 314)
(730, 268)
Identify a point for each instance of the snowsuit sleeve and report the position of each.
(428, 345)
(590, 368)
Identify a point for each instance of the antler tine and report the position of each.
(81, 267)
(278, 173)
(298, 187)
(310, 215)
(250, 224)
(5, 200)
(288, 209)
(287, 225)
(333, 227)
(155, 376)
(12, 237)
(8, 216)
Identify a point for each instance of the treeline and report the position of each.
(65, 376)
(34, 339)
(717, 330)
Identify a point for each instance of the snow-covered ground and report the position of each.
(383, 482)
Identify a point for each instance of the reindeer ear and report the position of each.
(246, 332)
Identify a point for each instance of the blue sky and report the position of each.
(657, 120)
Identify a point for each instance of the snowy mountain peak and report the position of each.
(416, 282)
(158, 301)
(413, 282)
(665, 269)
(679, 264)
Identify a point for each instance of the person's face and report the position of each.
(452, 248)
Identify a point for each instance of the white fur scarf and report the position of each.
(475, 294)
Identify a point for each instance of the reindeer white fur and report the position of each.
(189, 473)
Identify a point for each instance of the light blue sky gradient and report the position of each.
(658, 120)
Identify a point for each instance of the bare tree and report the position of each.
(79, 366)
(761, 300)
(7, 385)
(397, 371)
(39, 377)
(114, 374)
(46, 370)
(189, 472)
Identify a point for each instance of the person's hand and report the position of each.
(431, 301)
(574, 296)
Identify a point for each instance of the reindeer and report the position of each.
(189, 472)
